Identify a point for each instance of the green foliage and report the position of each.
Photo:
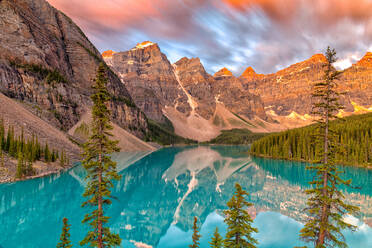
(21, 170)
(243, 120)
(101, 170)
(2, 160)
(217, 240)
(63, 159)
(163, 136)
(326, 205)
(82, 131)
(239, 223)
(48, 75)
(195, 235)
(125, 100)
(353, 134)
(27, 151)
(236, 137)
(65, 235)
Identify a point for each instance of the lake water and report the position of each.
(159, 194)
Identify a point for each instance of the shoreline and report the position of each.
(308, 162)
(51, 172)
(44, 174)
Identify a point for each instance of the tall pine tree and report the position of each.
(326, 205)
(195, 235)
(101, 170)
(239, 223)
(20, 166)
(217, 240)
(65, 235)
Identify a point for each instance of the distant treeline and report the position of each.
(236, 137)
(164, 134)
(29, 150)
(354, 133)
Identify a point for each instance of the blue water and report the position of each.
(159, 194)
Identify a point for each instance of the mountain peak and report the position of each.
(144, 44)
(317, 58)
(224, 72)
(250, 73)
(366, 61)
(108, 54)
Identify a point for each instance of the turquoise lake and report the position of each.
(160, 193)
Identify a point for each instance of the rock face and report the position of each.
(250, 74)
(198, 83)
(357, 82)
(150, 79)
(47, 62)
(224, 72)
(193, 100)
(198, 104)
(229, 90)
(288, 91)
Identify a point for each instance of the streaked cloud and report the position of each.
(265, 34)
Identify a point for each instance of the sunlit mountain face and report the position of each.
(266, 34)
(160, 193)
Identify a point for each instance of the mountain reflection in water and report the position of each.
(160, 192)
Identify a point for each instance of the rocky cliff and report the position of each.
(48, 63)
(197, 104)
(287, 93)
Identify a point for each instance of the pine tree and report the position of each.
(47, 156)
(29, 170)
(195, 235)
(2, 135)
(239, 223)
(326, 206)
(65, 235)
(20, 166)
(217, 240)
(62, 159)
(2, 161)
(101, 170)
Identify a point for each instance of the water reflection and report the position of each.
(159, 193)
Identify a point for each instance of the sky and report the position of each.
(266, 34)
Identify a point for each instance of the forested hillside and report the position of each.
(354, 134)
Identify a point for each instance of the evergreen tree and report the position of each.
(2, 135)
(217, 240)
(101, 170)
(195, 235)
(62, 160)
(47, 155)
(29, 169)
(2, 160)
(239, 223)
(65, 235)
(326, 206)
(20, 166)
(8, 139)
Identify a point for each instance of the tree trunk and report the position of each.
(99, 219)
(325, 207)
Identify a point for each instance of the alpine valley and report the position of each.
(47, 67)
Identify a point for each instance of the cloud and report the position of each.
(266, 34)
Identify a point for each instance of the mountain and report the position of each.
(197, 104)
(357, 82)
(250, 73)
(150, 79)
(48, 65)
(287, 93)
